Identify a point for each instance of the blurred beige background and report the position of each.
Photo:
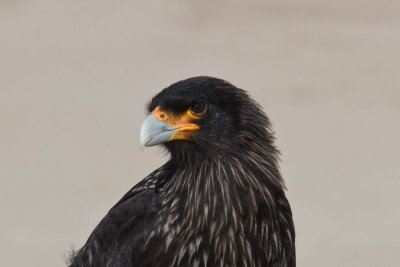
(75, 77)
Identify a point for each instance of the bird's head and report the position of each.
(204, 114)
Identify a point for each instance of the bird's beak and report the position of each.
(154, 132)
(160, 127)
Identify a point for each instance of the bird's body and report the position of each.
(218, 201)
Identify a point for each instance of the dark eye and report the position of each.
(199, 109)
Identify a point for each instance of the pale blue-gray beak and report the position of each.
(154, 132)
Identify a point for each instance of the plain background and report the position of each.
(75, 77)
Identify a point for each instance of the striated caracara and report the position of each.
(218, 201)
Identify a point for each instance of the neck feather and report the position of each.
(223, 187)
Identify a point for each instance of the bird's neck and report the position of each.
(220, 189)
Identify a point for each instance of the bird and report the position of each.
(219, 200)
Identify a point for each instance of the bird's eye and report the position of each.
(199, 109)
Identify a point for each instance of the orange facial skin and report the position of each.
(182, 123)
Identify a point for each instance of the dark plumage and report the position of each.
(218, 201)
